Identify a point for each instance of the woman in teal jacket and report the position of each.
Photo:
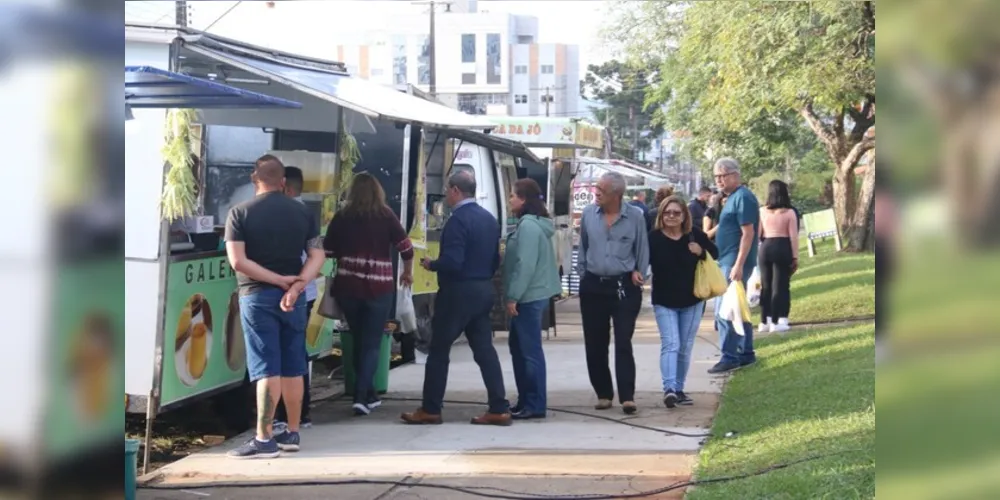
(531, 278)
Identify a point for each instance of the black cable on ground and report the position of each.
(564, 410)
(483, 491)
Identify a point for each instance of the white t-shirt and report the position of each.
(311, 290)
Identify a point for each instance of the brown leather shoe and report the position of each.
(629, 407)
(603, 404)
(421, 417)
(501, 419)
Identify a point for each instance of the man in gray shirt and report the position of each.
(614, 254)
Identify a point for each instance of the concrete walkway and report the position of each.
(590, 453)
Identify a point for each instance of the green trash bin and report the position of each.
(131, 469)
(347, 360)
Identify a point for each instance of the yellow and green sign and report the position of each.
(84, 404)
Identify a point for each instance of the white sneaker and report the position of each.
(765, 327)
(419, 357)
(781, 326)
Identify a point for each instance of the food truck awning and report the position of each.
(370, 99)
(623, 168)
(149, 87)
(500, 144)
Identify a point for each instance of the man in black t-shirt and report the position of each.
(699, 206)
(265, 238)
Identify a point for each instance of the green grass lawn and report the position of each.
(831, 286)
(810, 394)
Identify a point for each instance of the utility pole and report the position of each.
(548, 100)
(632, 115)
(431, 45)
(181, 13)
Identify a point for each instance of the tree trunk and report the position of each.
(844, 198)
(860, 231)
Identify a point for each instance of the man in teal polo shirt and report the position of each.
(737, 242)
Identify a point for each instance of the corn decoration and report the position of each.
(350, 155)
(179, 186)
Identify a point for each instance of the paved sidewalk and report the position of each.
(601, 453)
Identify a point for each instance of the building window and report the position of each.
(398, 60)
(424, 62)
(475, 104)
(520, 99)
(493, 70)
(521, 69)
(548, 98)
(468, 48)
(468, 78)
(548, 69)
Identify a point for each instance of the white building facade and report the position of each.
(485, 61)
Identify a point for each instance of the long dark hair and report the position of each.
(777, 195)
(365, 198)
(529, 191)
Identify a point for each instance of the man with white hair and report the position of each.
(736, 238)
(614, 254)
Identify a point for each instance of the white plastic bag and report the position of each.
(405, 312)
(734, 307)
(753, 288)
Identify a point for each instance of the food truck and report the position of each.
(183, 335)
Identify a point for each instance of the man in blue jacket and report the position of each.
(469, 258)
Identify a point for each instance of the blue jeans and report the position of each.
(366, 321)
(678, 329)
(735, 349)
(275, 339)
(528, 357)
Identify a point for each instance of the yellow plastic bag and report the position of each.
(741, 295)
(734, 307)
(708, 279)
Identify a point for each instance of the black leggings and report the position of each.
(775, 265)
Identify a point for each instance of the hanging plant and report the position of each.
(179, 186)
(350, 155)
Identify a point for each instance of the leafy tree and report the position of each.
(946, 102)
(622, 86)
(740, 74)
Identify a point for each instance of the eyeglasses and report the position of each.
(673, 214)
(723, 176)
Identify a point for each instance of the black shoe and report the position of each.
(748, 362)
(670, 399)
(516, 409)
(361, 410)
(723, 367)
(526, 415)
(683, 399)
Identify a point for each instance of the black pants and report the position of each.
(280, 413)
(464, 307)
(600, 308)
(775, 264)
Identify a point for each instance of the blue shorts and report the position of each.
(275, 339)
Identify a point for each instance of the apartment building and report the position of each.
(486, 62)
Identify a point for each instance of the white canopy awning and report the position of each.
(370, 99)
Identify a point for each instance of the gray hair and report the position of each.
(728, 165)
(617, 182)
(464, 182)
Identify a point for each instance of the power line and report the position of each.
(224, 14)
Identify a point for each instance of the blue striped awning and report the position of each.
(149, 87)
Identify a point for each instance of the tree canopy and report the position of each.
(622, 87)
(754, 79)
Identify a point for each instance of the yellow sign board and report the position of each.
(589, 136)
